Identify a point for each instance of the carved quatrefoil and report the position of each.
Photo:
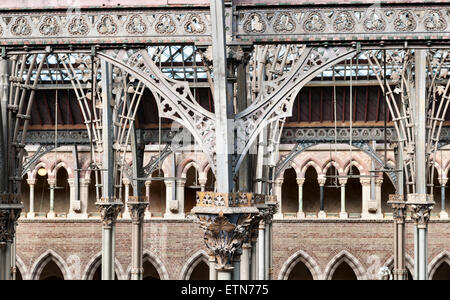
(49, 26)
(107, 26)
(21, 27)
(374, 22)
(165, 25)
(195, 24)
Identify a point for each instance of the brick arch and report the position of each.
(95, 263)
(44, 259)
(335, 164)
(409, 262)
(443, 257)
(41, 164)
(192, 262)
(20, 265)
(363, 170)
(300, 256)
(310, 163)
(352, 261)
(156, 262)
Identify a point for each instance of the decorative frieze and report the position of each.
(104, 27)
(348, 23)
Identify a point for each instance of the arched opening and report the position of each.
(300, 272)
(332, 191)
(18, 274)
(311, 191)
(92, 196)
(442, 272)
(289, 192)
(97, 275)
(353, 195)
(25, 194)
(210, 181)
(51, 271)
(41, 195)
(344, 272)
(157, 195)
(62, 192)
(190, 189)
(200, 272)
(150, 271)
(387, 188)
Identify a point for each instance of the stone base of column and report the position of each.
(278, 216)
(322, 215)
(171, 216)
(73, 215)
(301, 215)
(51, 215)
(147, 214)
(443, 215)
(343, 215)
(126, 215)
(31, 215)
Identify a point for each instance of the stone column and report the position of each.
(52, 184)
(72, 214)
(321, 180)
(420, 214)
(366, 186)
(376, 206)
(180, 197)
(443, 214)
(9, 213)
(147, 214)
(261, 250)
(31, 183)
(399, 214)
(212, 266)
(237, 265)
(278, 193)
(137, 209)
(245, 261)
(343, 214)
(84, 196)
(126, 213)
(109, 210)
(300, 213)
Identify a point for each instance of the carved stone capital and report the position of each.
(443, 181)
(109, 210)
(364, 180)
(224, 238)
(300, 181)
(137, 209)
(398, 205)
(8, 220)
(420, 214)
(321, 180)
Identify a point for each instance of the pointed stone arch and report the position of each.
(294, 259)
(352, 261)
(409, 262)
(156, 262)
(21, 267)
(96, 262)
(192, 262)
(44, 259)
(443, 257)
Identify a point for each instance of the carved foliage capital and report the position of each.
(137, 210)
(420, 213)
(109, 212)
(8, 220)
(224, 238)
